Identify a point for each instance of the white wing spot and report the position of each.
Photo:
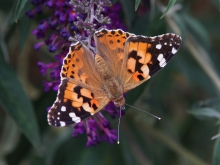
(170, 44)
(160, 57)
(165, 43)
(174, 50)
(163, 65)
(63, 108)
(158, 46)
(58, 113)
(74, 117)
(58, 118)
(73, 44)
(62, 123)
(162, 62)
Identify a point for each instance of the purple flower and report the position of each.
(37, 46)
(78, 129)
(52, 48)
(92, 132)
(43, 68)
(47, 86)
(73, 19)
(114, 17)
(55, 74)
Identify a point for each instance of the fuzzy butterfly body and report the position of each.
(123, 61)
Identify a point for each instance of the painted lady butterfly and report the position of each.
(123, 61)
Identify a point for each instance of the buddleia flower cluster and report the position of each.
(75, 20)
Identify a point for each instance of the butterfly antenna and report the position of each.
(119, 121)
(143, 111)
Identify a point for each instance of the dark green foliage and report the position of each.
(137, 3)
(16, 103)
(169, 6)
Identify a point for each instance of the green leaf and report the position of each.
(18, 8)
(196, 29)
(141, 25)
(133, 95)
(56, 143)
(127, 153)
(215, 4)
(137, 2)
(128, 9)
(24, 26)
(170, 4)
(15, 102)
(205, 112)
(216, 155)
(114, 1)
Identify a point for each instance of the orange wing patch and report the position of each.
(80, 97)
(114, 40)
(138, 58)
(72, 64)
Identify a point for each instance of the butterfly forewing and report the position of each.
(110, 45)
(145, 56)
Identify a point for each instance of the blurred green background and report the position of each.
(185, 94)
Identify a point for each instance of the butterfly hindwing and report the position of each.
(74, 103)
(145, 56)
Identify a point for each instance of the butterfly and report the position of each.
(123, 61)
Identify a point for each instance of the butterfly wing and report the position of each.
(145, 56)
(79, 64)
(79, 94)
(110, 46)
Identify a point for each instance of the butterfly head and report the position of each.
(119, 102)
